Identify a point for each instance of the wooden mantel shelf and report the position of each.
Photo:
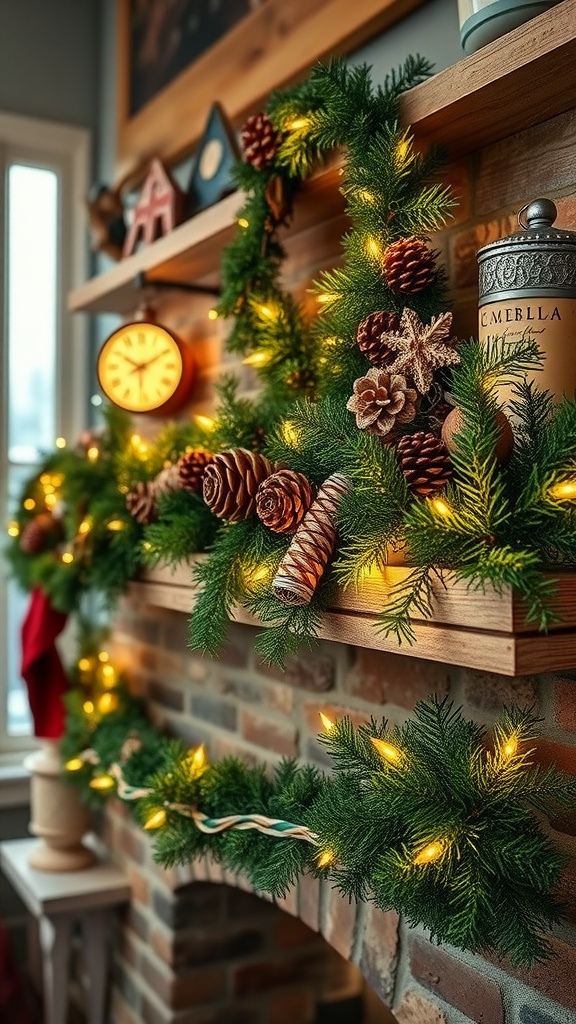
(481, 631)
(524, 78)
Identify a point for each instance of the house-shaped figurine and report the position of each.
(159, 208)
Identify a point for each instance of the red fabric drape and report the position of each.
(42, 669)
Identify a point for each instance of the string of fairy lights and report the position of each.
(96, 672)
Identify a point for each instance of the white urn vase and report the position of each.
(57, 815)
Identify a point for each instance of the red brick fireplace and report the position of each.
(199, 946)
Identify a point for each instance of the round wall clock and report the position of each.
(143, 367)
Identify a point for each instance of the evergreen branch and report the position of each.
(413, 595)
(422, 818)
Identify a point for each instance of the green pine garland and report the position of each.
(425, 819)
(96, 546)
(496, 525)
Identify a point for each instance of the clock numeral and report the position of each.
(127, 340)
(112, 366)
(115, 383)
(141, 337)
(166, 381)
(126, 393)
(170, 366)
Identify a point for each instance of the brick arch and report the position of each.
(198, 945)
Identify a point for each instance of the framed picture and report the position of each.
(177, 57)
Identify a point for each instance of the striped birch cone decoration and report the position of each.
(303, 565)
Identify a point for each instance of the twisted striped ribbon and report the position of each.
(275, 827)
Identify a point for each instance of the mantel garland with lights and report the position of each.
(72, 533)
(345, 455)
(429, 819)
(430, 466)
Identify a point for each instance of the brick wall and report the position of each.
(238, 706)
(192, 950)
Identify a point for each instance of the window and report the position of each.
(43, 177)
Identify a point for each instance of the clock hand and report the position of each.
(166, 352)
(132, 361)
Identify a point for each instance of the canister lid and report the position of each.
(539, 260)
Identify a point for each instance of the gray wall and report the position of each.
(49, 59)
(432, 31)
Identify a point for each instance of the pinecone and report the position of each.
(192, 467)
(409, 266)
(369, 336)
(141, 502)
(89, 439)
(231, 481)
(35, 534)
(312, 546)
(167, 480)
(283, 500)
(380, 400)
(425, 462)
(260, 141)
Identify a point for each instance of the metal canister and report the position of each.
(527, 287)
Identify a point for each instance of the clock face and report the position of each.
(140, 367)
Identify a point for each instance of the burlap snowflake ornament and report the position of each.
(422, 348)
(380, 400)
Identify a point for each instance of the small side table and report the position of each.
(55, 899)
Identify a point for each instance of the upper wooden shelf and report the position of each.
(485, 631)
(524, 78)
(193, 250)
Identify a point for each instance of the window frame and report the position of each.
(66, 150)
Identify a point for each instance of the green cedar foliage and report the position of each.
(489, 883)
(390, 193)
(497, 524)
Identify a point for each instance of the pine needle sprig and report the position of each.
(185, 524)
(220, 584)
(411, 597)
(289, 629)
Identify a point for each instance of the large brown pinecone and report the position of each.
(283, 500)
(231, 482)
(167, 480)
(260, 141)
(425, 462)
(369, 336)
(192, 467)
(409, 266)
(36, 533)
(381, 400)
(141, 502)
